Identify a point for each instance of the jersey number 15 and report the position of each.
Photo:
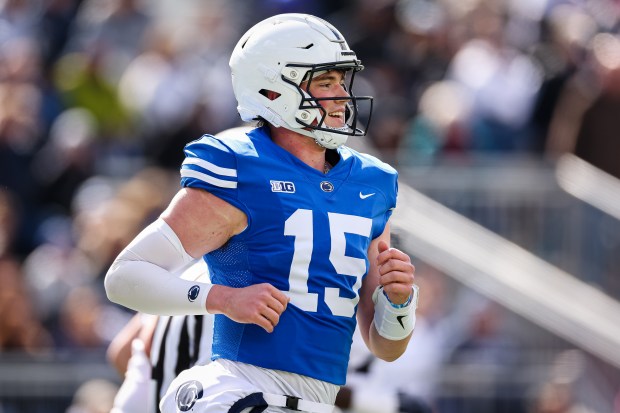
(299, 225)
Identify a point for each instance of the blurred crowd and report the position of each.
(98, 98)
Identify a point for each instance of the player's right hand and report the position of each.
(260, 304)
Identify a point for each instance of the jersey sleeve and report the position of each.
(390, 194)
(211, 165)
(392, 198)
(382, 178)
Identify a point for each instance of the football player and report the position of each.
(294, 228)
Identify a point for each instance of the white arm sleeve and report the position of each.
(143, 276)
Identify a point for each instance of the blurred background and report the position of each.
(502, 117)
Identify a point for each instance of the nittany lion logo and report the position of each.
(193, 292)
(187, 395)
(327, 186)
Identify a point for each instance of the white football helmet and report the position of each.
(277, 55)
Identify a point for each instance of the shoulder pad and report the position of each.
(369, 160)
(369, 170)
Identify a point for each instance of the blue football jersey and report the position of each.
(308, 235)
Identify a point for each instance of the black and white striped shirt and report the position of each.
(179, 342)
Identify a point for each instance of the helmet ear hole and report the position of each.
(269, 94)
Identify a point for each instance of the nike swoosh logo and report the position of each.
(399, 318)
(364, 196)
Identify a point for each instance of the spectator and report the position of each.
(20, 329)
(585, 108)
(489, 357)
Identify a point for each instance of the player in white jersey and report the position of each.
(294, 228)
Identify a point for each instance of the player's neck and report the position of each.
(302, 147)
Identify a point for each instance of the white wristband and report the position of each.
(394, 322)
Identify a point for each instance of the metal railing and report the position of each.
(523, 201)
(48, 383)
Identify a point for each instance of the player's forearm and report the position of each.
(150, 289)
(385, 349)
(119, 350)
(143, 275)
(220, 300)
(392, 324)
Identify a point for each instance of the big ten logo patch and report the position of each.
(282, 186)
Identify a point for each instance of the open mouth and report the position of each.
(337, 118)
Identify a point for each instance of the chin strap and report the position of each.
(329, 140)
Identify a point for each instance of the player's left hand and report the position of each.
(396, 273)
